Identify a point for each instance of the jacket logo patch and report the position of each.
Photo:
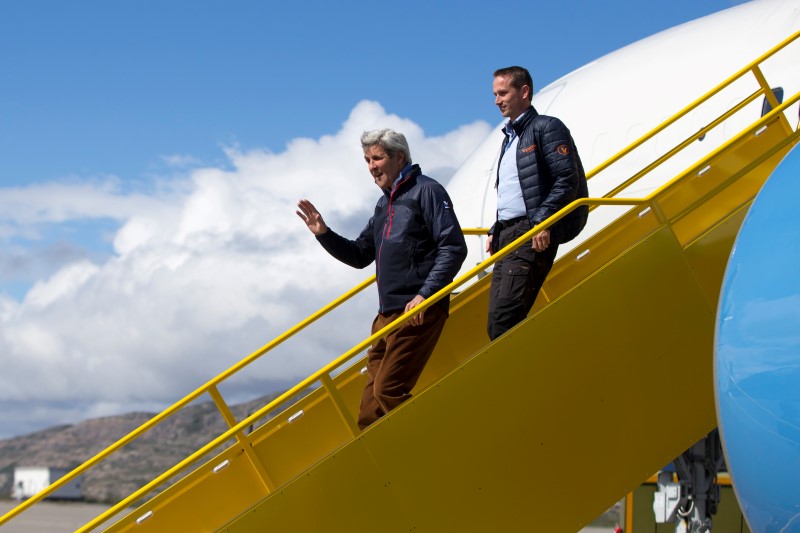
(529, 149)
(562, 149)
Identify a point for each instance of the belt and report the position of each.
(502, 224)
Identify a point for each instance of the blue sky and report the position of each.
(100, 87)
(151, 154)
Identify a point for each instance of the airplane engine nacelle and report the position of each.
(757, 364)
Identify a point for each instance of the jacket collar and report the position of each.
(522, 123)
(412, 172)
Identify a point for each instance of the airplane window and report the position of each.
(765, 107)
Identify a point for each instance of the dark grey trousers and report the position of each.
(516, 279)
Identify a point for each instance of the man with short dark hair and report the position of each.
(417, 243)
(538, 173)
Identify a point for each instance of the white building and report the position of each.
(29, 480)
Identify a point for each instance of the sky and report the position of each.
(152, 155)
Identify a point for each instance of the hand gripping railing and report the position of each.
(324, 374)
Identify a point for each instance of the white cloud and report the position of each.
(60, 202)
(180, 160)
(61, 286)
(206, 269)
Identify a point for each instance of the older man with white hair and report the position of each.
(417, 243)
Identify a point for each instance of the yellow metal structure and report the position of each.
(496, 434)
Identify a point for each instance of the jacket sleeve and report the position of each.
(451, 248)
(558, 150)
(358, 253)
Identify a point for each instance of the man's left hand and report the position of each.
(541, 241)
(415, 320)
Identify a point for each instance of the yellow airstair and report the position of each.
(608, 380)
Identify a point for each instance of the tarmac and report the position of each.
(51, 517)
(66, 517)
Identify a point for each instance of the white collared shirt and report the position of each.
(510, 203)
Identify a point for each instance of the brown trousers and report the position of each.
(395, 362)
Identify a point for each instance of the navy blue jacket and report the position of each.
(550, 173)
(414, 237)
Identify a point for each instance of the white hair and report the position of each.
(391, 141)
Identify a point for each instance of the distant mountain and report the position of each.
(144, 459)
(131, 467)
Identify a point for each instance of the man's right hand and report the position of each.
(311, 217)
(489, 245)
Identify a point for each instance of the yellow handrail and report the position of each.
(186, 400)
(686, 142)
(683, 112)
(358, 348)
(344, 358)
(324, 372)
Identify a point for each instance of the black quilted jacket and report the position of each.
(550, 173)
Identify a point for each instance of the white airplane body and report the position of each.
(612, 101)
(608, 104)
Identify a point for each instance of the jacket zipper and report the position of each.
(387, 225)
